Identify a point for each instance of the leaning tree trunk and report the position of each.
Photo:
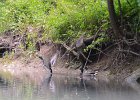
(113, 19)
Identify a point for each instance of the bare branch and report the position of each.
(132, 52)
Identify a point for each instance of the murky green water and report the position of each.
(61, 87)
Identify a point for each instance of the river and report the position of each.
(63, 87)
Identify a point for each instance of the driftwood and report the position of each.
(70, 49)
(77, 54)
(77, 48)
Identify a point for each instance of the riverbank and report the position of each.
(33, 68)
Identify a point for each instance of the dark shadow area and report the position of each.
(2, 51)
(3, 82)
(138, 80)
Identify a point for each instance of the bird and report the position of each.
(48, 62)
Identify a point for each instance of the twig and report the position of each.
(132, 52)
(101, 51)
(70, 49)
(87, 59)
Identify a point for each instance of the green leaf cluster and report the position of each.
(71, 18)
(66, 20)
(18, 14)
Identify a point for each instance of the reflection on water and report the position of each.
(61, 87)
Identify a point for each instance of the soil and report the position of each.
(33, 68)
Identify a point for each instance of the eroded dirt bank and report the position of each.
(33, 68)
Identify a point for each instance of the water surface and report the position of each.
(62, 87)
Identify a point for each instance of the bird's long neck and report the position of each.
(41, 57)
(43, 60)
(51, 60)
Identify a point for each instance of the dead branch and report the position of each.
(128, 51)
(75, 53)
(88, 41)
(70, 49)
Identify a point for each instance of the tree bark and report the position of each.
(113, 19)
(121, 14)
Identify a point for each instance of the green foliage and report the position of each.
(65, 20)
(7, 57)
(4, 19)
(31, 41)
(131, 14)
(70, 19)
(17, 14)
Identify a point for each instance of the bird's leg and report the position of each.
(50, 68)
(82, 69)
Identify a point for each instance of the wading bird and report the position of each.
(48, 62)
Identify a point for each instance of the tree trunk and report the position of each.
(113, 19)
